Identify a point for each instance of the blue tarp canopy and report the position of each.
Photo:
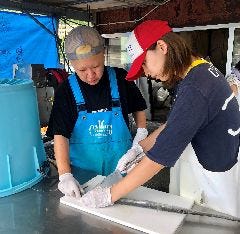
(22, 40)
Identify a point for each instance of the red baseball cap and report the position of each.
(141, 38)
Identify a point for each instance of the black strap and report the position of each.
(81, 107)
(116, 103)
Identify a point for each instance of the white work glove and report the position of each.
(97, 198)
(69, 186)
(133, 152)
(140, 135)
(128, 157)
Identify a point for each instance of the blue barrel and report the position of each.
(21, 148)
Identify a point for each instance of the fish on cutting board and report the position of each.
(142, 219)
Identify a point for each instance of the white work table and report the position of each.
(38, 210)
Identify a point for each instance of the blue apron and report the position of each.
(98, 139)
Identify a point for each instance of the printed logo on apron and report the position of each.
(100, 129)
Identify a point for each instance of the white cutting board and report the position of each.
(142, 219)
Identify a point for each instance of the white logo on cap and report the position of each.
(133, 47)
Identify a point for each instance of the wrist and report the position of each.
(64, 171)
(142, 131)
(141, 134)
(138, 148)
(63, 176)
(114, 193)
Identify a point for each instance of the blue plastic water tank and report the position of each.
(21, 147)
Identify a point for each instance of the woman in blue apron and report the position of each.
(99, 139)
(89, 118)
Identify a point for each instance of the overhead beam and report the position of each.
(179, 13)
(38, 8)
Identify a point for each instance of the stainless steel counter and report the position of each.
(38, 210)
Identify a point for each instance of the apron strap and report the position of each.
(72, 79)
(114, 87)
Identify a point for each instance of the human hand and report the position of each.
(128, 157)
(69, 186)
(97, 198)
(140, 135)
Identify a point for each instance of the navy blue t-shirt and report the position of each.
(205, 113)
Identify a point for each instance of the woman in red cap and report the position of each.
(203, 124)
